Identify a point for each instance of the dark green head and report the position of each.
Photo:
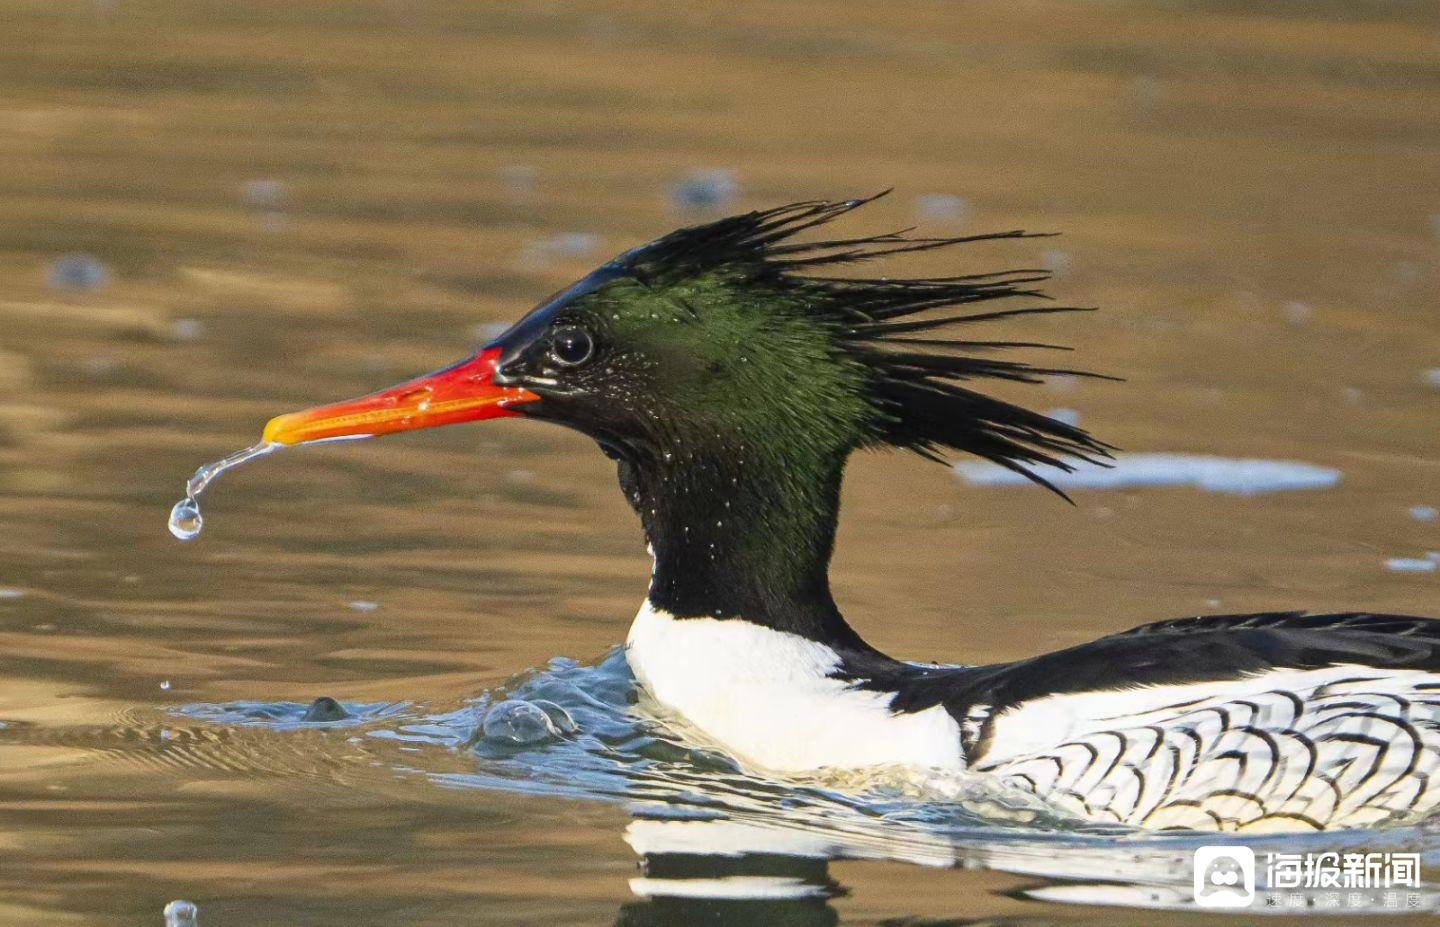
(719, 342)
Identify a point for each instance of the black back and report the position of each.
(1217, 649)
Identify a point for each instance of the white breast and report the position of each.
(767, 696)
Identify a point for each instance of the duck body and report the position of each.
(1277, 721)
(730, 384)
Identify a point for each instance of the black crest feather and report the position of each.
(920, 384)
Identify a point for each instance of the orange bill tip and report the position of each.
(463, 392)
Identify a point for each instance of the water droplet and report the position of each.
(518, 722)
(519, 180)
(78, 272)
(181, 914)
(185, 519)
(1423, 512)
(186, 522)
(165, 685)
(264, 193)
(187, 329)
(1059, 263)
(1297, 313)
(704, 189)
(1147, 91)
(564, 246)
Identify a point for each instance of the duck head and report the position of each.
(730, 378)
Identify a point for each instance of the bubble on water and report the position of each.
(1297, 313)
(1147, 91)
(709, 188)
(564, 246)
(325, 708)
(101, 365)
(187, 329)
(181, 914)
(558, 716)
(519, 180)
(264, 193)
(1423, 512)
(518, 722)
(1411, 565)
(186, 522)
(1406, 274)
(942, 207)
(363, 605)
(1058, 263)
(78, 271)
(164, 685)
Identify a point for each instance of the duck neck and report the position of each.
(742, 537)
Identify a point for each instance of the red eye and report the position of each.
(572, 346)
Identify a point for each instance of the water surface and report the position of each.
(211, 213)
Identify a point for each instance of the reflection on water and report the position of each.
(726, 845)
(212, 212)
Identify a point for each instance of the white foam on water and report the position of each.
(1212, 474)
(1411, 565)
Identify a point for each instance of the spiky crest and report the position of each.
(917, 382)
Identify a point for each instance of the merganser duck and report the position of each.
(730, 383)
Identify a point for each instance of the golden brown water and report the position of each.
(299, 202)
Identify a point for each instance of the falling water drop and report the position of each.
(180, 914)
(186, 521)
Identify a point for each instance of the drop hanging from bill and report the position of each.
(186, 522)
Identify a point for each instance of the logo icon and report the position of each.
(1224, 877)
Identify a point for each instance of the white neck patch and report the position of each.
(767, 696)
